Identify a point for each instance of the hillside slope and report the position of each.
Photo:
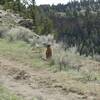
(40, 84)
(24, 73)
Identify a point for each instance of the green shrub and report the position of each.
(19, 33)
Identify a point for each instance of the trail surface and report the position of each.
(30, 83)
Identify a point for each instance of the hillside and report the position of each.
(29, 77)
(77, 24)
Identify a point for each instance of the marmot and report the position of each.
(48, 52)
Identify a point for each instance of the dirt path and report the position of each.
(28, 83)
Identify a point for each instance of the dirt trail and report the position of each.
(28, 83)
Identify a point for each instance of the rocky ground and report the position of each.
(28, 83)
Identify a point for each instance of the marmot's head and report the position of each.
(48, 45)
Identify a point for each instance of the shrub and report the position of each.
(3, 30)
(46, 39)
(65, 59)
(19, 33)
(97, 58)
(89, 76)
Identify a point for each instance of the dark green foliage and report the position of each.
(2, 2)
(28, 9)
(77, 24)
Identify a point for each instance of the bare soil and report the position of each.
(31, 83)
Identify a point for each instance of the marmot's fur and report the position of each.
(48, 52)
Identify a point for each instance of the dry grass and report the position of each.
(68, 83)
(83, 81)
(79, 74)
(6, 95)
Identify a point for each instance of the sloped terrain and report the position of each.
(17, 73)
(25, 74)
(29, 83)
